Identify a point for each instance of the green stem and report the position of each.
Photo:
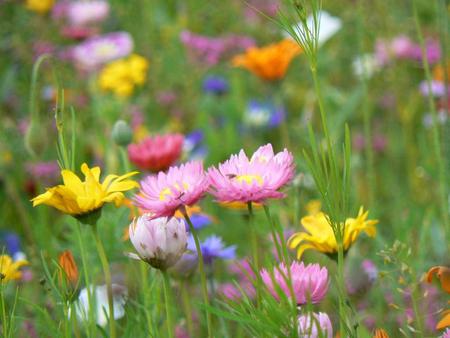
(4, 319)
(91, 321)
(201, 267)
(417, 312)
(144, 278)
(341, 288)
(436, 134)
(169, 321)
(124, 158)
(187, 307)
(254, 245)
(107, 273)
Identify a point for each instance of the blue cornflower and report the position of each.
(212, 248)
(215, 85)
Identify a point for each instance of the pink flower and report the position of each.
(99, 50)
(319, 325)
(309, 283)
(160, 242)
(80, 13)
(165, 193)
(242, 180)
(156, 153)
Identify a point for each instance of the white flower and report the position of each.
(120, 294)
(328, 26)
(366, 64)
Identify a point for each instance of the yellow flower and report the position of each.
(320, 235)
(269, 62)
(39, 6)
(77, 198)
(9, 270)
(122, 76)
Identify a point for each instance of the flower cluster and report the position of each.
(122, 76)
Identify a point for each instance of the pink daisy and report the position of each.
(156, 153)
(242, 180)
(309, 283)
(163, 194)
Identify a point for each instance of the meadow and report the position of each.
(239, 168)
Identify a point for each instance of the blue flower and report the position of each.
(193, 147)
(11, 242)
(263, 114)
(212, 248)
(215, 85)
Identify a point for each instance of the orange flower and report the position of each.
(444, 322)
(67, 263)
(380, 333)
(270, 62)
(439, 73)
(443, 274)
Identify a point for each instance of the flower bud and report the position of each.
(315, 326)
(69, 267)
(160, 242)
(122, 133)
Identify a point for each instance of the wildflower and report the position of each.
(79, 198)
(43, 171)
(245, 278)
(380, 333)
(156, 153)
(443, 274)
(270, 62)
(122, 76)
(309, 283)
(256, 180)
(99, 50)
(328, 26)
(213, 248)
(210, 50)
(11, 242)
(160, 242)
(365, 65)
(163, 194)
(446, 334)
(80, 13)
(68, 266)
(101, 310)
(193, 147)
(9, 270)
(320, 235)
(215, 85)
(315, 326)
(263, 114)
(39, 6)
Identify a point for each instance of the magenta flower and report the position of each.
(315, 326)
(156, 153)
(160, 242)
(309, 283)
(97, 51)
(242, 180)
(165, 193)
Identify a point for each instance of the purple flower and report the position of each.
(186, 265)
(194, 148)
(215, 85)
(263, 114)
(319, 326)
(213, 248)
(437, 88)
(97, 51)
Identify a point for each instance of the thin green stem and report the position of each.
(107, 273)
(201, 267)
(124, 158)
(169, 321)
(436, 134)
(144, 278)
(417, 312)
(91, 322)
(4, 319)
(254, 245)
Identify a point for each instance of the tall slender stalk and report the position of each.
(187, 307)
(201, 267)
(436, 134)
(254, 244)
(108, 281)
(3, 309)
(169, 321)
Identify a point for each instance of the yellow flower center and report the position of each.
(167, 192)
(249, 179)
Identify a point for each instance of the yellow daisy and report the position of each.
(319, 234)
(78, 198)
(9, 270)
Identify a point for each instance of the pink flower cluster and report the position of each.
(209, 50)
(403, 48)
(309, 283)
(237, 180)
